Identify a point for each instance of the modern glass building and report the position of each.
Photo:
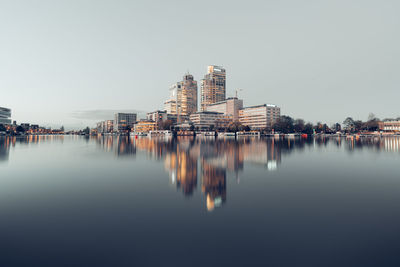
(5, 115)
(213, 86)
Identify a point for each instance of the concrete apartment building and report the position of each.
(259, 117)
(213, 86)
(230, 106)
(204, 119)
(5, 114)
(123, 121)
(183, 97)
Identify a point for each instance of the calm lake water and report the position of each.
(79, 201)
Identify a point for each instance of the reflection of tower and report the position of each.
(273, 155)
(183, 170)
(186, 173)
(213, 185)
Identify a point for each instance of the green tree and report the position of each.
(20, 129)
(349, 124)
(86, 130)
(284, 124)
(308, 128)
(298, 125)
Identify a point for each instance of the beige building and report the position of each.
(392, 126)
(230, 106)
(206, 119)
(183, 97)
(213, 86)
(145, 126)
(259, 117)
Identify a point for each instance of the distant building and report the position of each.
(123, 121)
(26, 126)
(161, 115)
(145, 126)
(230, 106)
(5, 114)
(183, 97)
(213, 86)
(259, 117)
(206, 119)
(105, 126)
(390, 126)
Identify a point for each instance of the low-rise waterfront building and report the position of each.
(5, 114)
(205, 119)
(230, 106)
(259, 117)
(145, 126)
(124, 121)
(390, 126)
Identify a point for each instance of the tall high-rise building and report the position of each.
(213, 86)
(5, 114)
(183, 97)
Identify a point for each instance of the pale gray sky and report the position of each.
(318, 60)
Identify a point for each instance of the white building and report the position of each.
(206, 119)
(230, 106)
(259, 117)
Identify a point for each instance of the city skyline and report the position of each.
(317, 61)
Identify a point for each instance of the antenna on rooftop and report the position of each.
(236, 92)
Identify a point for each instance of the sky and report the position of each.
(75, 62)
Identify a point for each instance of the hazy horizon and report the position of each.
(317, 60)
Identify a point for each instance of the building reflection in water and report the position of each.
(211, 161)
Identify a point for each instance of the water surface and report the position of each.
(80, 201)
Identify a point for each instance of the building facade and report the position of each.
(145, 126)
(230, 106)
(105, 126)
(213, 86)
(259, 117)
(205, 119)
(390, 126)
(183, 97)
(124, 121)
(5, 114)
